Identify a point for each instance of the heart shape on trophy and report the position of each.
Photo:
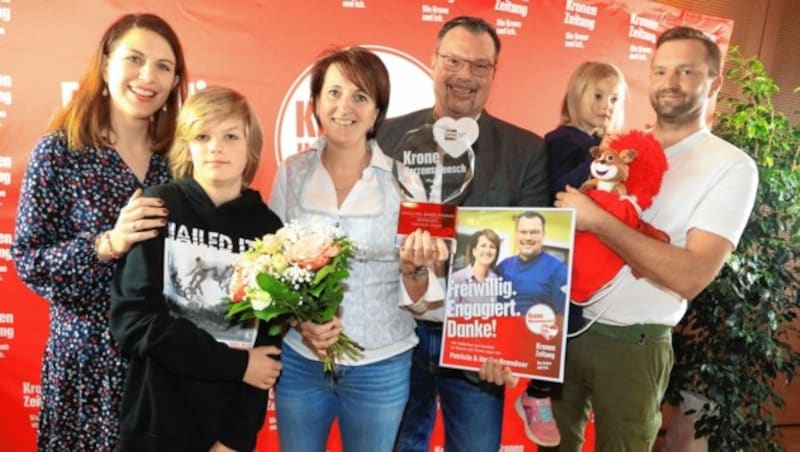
(455, 136)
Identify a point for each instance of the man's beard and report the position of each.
(674, 111)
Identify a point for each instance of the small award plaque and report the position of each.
(438, 219)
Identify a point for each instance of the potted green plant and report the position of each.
(732, 347)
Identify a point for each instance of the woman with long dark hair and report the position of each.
(81, 209)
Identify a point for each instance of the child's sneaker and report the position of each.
(539, 423)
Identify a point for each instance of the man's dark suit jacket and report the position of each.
(510, 162)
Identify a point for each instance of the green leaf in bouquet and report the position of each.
(317, 290)
(237, 308)
(324, 289)
(276, 288)
(321, 286)
(329, 311)
(266, 314)
(343, 258)
(245, 316)
(322, 273)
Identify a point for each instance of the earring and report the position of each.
(105, 91)
(164, 108)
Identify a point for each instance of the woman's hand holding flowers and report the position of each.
(320, 336)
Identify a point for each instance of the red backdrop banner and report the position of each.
(264, 49)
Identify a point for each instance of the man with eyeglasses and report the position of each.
(510, 170)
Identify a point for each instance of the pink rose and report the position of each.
(313, 250)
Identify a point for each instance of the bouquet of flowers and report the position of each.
(297, 272)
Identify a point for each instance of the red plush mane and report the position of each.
(594, 264)
(647, 169)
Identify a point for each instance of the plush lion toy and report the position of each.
(609, 170)
(625, 177)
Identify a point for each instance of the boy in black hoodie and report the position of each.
(196, 383)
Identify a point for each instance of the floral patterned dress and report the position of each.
(67, 199)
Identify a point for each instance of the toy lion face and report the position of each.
(610, 165)
(632, 165)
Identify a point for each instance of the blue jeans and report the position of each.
(368, 400)
(472, 410)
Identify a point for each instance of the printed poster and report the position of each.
(196, 280)
(507, 291)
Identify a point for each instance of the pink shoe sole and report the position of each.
(528, 432)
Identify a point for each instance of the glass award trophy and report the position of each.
(434, 166)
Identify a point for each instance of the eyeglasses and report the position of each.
(480, 68)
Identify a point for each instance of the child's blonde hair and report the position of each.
(208, 106)
(586, 73)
